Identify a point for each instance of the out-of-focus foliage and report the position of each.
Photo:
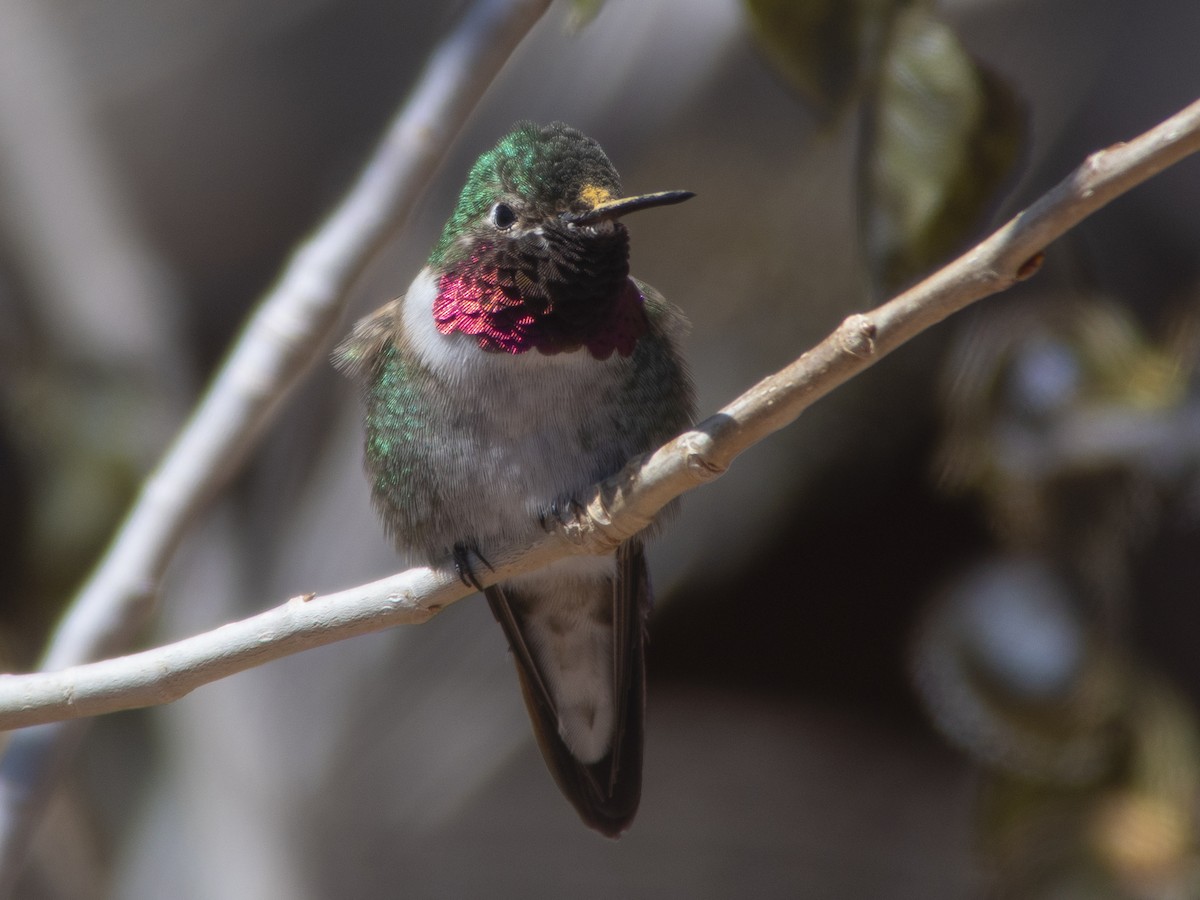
(940, 134)
(941, 138)
(582, 13)
(824, 49)
(1130, 834)
(1059, 412)
(80, 450)
(83, 465)
(1067, 424)
(1009, 672)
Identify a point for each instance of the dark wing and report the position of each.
(365, 344)
(605, 793)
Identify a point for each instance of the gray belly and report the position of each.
(535, 437)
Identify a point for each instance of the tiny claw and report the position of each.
(462, 554)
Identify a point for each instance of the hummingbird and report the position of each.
(522, 366)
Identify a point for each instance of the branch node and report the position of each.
(1031, 266)
(576, 532)
(702, 468)
(602, 531)
(404, 598)
(857, 336)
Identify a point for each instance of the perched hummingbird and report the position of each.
(522, 366)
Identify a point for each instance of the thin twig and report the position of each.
(624, 504)
(286, 334)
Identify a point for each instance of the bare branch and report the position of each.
(286, 334)
(624, 504)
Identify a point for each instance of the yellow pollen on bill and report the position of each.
(593, 195)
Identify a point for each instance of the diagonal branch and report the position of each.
(624, 504)
(286, 334)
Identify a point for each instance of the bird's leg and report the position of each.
(462, 553)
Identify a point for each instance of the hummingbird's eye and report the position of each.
(503, 216)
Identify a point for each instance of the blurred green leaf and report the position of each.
(582, 14)
(1132, 834)
(941, 136)
(80, 437)
(822, 48)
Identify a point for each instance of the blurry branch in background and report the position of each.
(286, 334)
(101, 291)
(101, 310)
(624, 504)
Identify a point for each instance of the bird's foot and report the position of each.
(462, 553)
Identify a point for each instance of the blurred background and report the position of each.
(936, 640)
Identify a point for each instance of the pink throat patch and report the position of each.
(498, 318)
